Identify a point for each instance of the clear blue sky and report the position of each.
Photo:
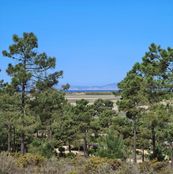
(95, 41)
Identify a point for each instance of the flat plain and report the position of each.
(91, 97)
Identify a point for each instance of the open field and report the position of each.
(73, 97)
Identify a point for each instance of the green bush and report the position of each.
(62, 151)
(158, 155)
(71, 155)
(43, 148)
(111, 146)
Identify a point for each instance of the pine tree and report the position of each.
(132, 100)
(28, 72)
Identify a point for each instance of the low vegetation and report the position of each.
(78, 165)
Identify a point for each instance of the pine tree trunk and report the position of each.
(49, 131)
(14, 139)
(22, 147)
(134, 141)
(49, 134)
(9, 138)
(69, 148)
(85, 145)
(153, 140)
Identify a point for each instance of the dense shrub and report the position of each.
(145, 167)
(7, 164)
(128, 169)
(71, 155)
(94, 164)
(158, 155)
(158, 166)
(111, 146)
(29, 159)
(43, 148)
(35, 164)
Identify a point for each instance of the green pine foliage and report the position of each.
(111, 146)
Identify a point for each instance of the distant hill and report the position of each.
(108, 87)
